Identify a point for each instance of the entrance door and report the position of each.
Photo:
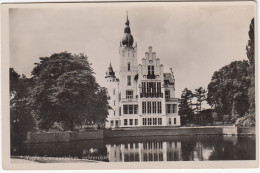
(116, 123)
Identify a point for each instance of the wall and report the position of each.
(64, 136)
(132, 132)
(163, 132)
(246, 130)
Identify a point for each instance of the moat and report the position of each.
(147, 149)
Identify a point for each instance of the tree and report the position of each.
(250, 51)
(206, 116)
(200, 95)
(228, 90)
(185, 110)
(21, 119)
(65, 90)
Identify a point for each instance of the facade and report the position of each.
(143, 95)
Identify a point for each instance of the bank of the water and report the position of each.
(136, 132)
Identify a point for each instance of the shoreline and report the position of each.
(136, 132)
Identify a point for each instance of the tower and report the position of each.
(128, 63)
(128, 71)
(112, 87)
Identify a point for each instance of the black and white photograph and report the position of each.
(150, 83)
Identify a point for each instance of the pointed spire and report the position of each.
(110, 72)
(127, 39)
(127, 20)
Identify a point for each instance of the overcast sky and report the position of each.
(195, 39)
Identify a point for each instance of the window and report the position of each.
(158, 89)
(159, 121)
(151, 89)
(119, 111)
(111, 123)
(135, 109)
(168, 107)
(125, 122)
(150, 70)
(114, 92)
(171, 108)
(144, 121)
(149, 107)
(130, 109)
(130, 122)
(159, 104)
(167, 94)
(174, 119)
(125, 109)
(136, 121)
(154, 107)
(170, 121)
(149, 121)
(129, 94)
(154, 121)
(128, 80)
(114, 103)
(114, 112)
(128, 66)
(144, 107)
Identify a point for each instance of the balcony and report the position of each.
(129, 100)
(150, 76)
(171, 100)
(151, 95)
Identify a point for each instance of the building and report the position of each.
(143, 95)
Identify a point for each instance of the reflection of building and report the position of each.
(143, 95)
(142, 152)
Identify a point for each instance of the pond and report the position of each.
(148, 149)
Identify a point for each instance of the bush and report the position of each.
(246, 121)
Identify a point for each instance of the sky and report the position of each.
(194, 39)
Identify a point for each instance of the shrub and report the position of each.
(246, 121)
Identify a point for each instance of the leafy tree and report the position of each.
(227, 91)
(250, 48)
(185, 110)
(249, 118)
(65, 91)
(206, 116)
(21, 119)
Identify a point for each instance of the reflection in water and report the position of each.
(147, 149)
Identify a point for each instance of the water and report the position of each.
(147, 149)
